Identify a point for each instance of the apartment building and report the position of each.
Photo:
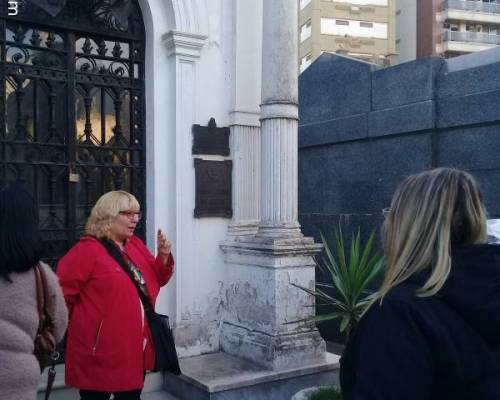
(447, 28)
(364, 29)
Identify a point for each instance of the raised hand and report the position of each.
(164, 246)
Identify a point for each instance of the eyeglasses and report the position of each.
(137, 215)
(386, 211)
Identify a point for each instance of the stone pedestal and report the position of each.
(261, 302)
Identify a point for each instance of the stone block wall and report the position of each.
(363, 129)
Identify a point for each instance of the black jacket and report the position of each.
(440, 347)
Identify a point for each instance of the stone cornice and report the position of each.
(184, 43)
(245, 118)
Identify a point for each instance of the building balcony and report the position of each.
(467, 42)
(470, 5)
(477, 37)
(469, 10)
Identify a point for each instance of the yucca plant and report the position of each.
(346, 291)
(327, 394)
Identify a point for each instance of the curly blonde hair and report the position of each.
(105, 211)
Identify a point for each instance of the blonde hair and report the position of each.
(429, 212)
(105, 211)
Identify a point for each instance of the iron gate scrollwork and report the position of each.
(72, 108)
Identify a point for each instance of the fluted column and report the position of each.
(245, 146)
(261, 299)
(244, 116)
(279, 125)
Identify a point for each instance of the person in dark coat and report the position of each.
(434, 329)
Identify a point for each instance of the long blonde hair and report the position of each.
(105, 211)
(429, 212)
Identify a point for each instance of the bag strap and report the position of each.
(41, 289)
(43, 301)
(115, 253)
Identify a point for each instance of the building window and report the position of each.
(304, 3)
(361, 56)
(305, 62)
(473, 28)
(362, 2)
(338, 27)
(305, 31)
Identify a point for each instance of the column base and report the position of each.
(244, 229)
(263, 250)
(273, 352)
(261, 301)
(285, 231)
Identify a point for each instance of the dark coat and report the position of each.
(439, 347)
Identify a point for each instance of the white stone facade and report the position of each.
(203, 60)
(232, 287)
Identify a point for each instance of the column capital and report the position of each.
(244, 118)
(279, 109)
(184, 43)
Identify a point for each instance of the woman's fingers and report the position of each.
(164, 245)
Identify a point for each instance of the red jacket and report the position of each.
(105, 339)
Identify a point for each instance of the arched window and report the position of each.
(72, 106)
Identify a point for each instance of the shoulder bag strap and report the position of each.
(40, 295)
(43, 300)
(115, 253)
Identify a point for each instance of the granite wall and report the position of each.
(363, 129)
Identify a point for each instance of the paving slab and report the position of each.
(219, 376)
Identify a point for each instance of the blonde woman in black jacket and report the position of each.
(433, 330)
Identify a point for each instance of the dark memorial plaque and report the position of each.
(213, 188)
(210, 139)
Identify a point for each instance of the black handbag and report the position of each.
(163, 339)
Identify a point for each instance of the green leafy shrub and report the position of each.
(349, 277)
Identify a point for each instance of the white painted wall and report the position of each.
(349, 27)
(190, 62)
(406, 31)
(304, 3)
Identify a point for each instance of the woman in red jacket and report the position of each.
(109, 345)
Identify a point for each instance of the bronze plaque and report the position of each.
(210, 139)
(213, 188)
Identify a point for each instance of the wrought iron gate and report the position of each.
(72, 108)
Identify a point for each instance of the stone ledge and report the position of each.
(273, 246)
(218, 372)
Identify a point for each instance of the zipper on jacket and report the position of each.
(97, 338)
